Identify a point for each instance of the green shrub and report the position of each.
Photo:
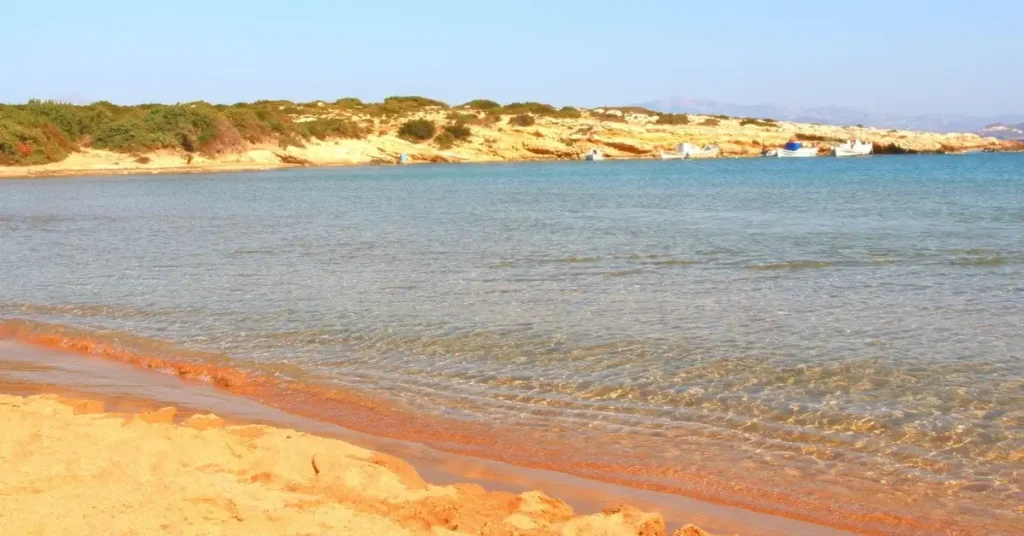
(522, 120)
(614, 118)
(73, 120)
(481, 104)
(348, 103)
(413, 102)
(160, 127)
(569, 112)
(459, 131)
(758, 122)
(249, 124)
(462, 118)
(673, 119)
(417, 130)
(445, 140)
(322, 129)
(31, 142)
(536, 108)
(710, 122)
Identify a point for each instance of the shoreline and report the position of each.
(619, 135)
(127, 390)
(243, 168)
(372, 416)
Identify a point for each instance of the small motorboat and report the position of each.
(853, 148)
(594, 155)
(689, 150)
(402, 159)
(672, 156)
(795, 149)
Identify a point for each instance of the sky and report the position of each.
(895, 57)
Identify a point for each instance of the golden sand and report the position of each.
(66, 467)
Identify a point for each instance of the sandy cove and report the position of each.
(67, 467)
(617, 134)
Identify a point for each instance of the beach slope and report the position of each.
(66, 467)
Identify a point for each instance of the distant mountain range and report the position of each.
(838, 115)
(1003, 131)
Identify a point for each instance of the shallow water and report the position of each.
(783, 335)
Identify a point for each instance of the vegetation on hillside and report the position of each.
(522, 120)
(758, 122)
(417, 130)
(40, 132)
(673, 119)
(481, 104)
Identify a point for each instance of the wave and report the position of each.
(981, 261)
(574, 260)
(673, 262)
(795, 265)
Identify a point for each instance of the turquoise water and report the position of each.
(836, 330)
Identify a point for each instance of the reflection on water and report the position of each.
(823, 332)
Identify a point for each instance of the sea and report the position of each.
(833, 340)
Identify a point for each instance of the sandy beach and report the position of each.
(69, 467)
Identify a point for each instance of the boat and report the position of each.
(689, 150)
(795, 149)
(594, 155)
(853, 148)
(672, 156)
(402, 159)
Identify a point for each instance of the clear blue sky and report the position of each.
(893, 56)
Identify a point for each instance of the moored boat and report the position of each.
(853, 148)
(689, 150)
(795, 149)
(594, 155)
(672, 156)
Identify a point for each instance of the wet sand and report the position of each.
(26, 369)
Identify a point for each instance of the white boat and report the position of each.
(795, 149)
(853, 148)
(689, 150)
(594, 155)
(672, 156)
(803, 152)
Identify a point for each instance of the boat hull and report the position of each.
(704, 153)
(853, 149)
(803, 152)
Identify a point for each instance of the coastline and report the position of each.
(142, 362)
(64, 378)
(622, 136)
